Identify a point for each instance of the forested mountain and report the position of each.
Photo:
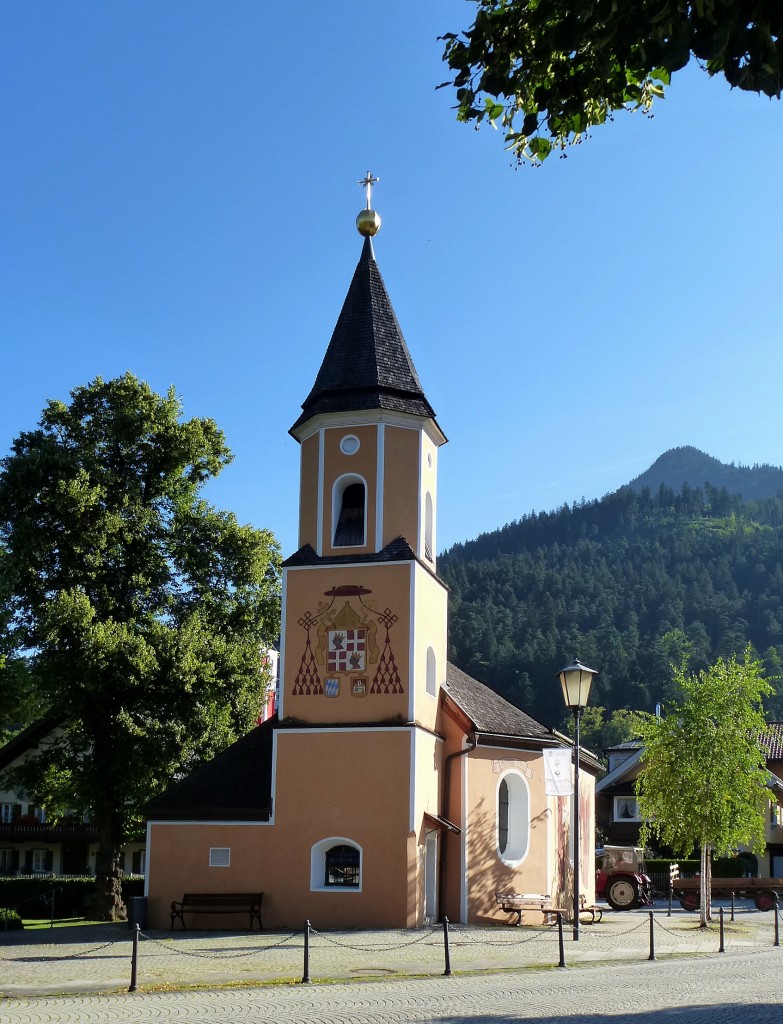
(688, 465)
(627, 584)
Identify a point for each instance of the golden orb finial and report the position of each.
(368, 222)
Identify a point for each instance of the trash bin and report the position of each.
(137, 912)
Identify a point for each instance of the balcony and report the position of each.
(16, 832)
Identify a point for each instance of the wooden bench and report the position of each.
(218, 903)
(596, 913)
(517, 902)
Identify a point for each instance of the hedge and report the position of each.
(10, 921)
(32, 896)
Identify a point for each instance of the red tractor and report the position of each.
(622, 879)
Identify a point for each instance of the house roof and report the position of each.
(367, 364)
(488, 711)
(30, 738)
(624, 772)
(235, 785)
(772, 741)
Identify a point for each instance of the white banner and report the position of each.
(558, 771)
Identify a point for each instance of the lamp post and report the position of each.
(575, 680)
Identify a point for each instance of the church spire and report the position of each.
(367, 364)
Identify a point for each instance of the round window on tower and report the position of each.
(349, 444)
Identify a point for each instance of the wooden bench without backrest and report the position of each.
(218, 903)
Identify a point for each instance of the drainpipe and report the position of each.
(445, 814)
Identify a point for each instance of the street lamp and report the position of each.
(576, 679)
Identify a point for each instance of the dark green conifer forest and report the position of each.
(630, 585)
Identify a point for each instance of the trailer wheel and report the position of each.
(689, 901)
(622, 893)
(764, 900)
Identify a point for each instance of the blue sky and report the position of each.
(178, 188)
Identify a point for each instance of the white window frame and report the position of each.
(219, 857)
(518, 839)
(341, 484)
(38, 862)
(318, 865)
(618, 803)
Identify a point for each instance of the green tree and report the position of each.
(703, 777)
(598, 730)
(549, 71)
(144, 610)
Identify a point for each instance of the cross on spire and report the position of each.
(368, 183)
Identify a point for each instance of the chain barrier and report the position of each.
(371, 946)
(170, 948)
(613, 934)
(510, 943)
(68, 956)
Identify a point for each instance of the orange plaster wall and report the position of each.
(486, 872)
(430, 630)
(363, 463)
(352, 784)
(451, 845)
(401, 485)
(308, 492)
(390, 586)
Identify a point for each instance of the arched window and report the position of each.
(429, 528)
(336, 863)
(432, 673)
(513, 818)
(349, 500)
(341, 865)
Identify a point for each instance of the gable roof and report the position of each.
(30, 738)
(489, 712)
(367, 364)
(235, 785)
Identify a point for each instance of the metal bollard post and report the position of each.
(306, 972)
(722, 948)
(732, 904)
(134, 959)
(447, 972)
(560, 939)
(777, 920)
(652, 937)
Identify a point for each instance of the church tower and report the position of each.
(365, 615)
(364, 636)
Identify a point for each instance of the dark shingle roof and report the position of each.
(398, 550)
(234, 786)
(490, 712)
(772, 741)
(367, 364)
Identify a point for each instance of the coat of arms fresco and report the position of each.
(345, 645)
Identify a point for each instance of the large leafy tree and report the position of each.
(703, 778)
(144, 610)
(549, 70)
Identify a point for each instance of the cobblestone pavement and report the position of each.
(740, 986)
(689, 972)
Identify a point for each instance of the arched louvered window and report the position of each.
(349, 503)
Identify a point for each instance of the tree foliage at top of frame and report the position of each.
(549, 70)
